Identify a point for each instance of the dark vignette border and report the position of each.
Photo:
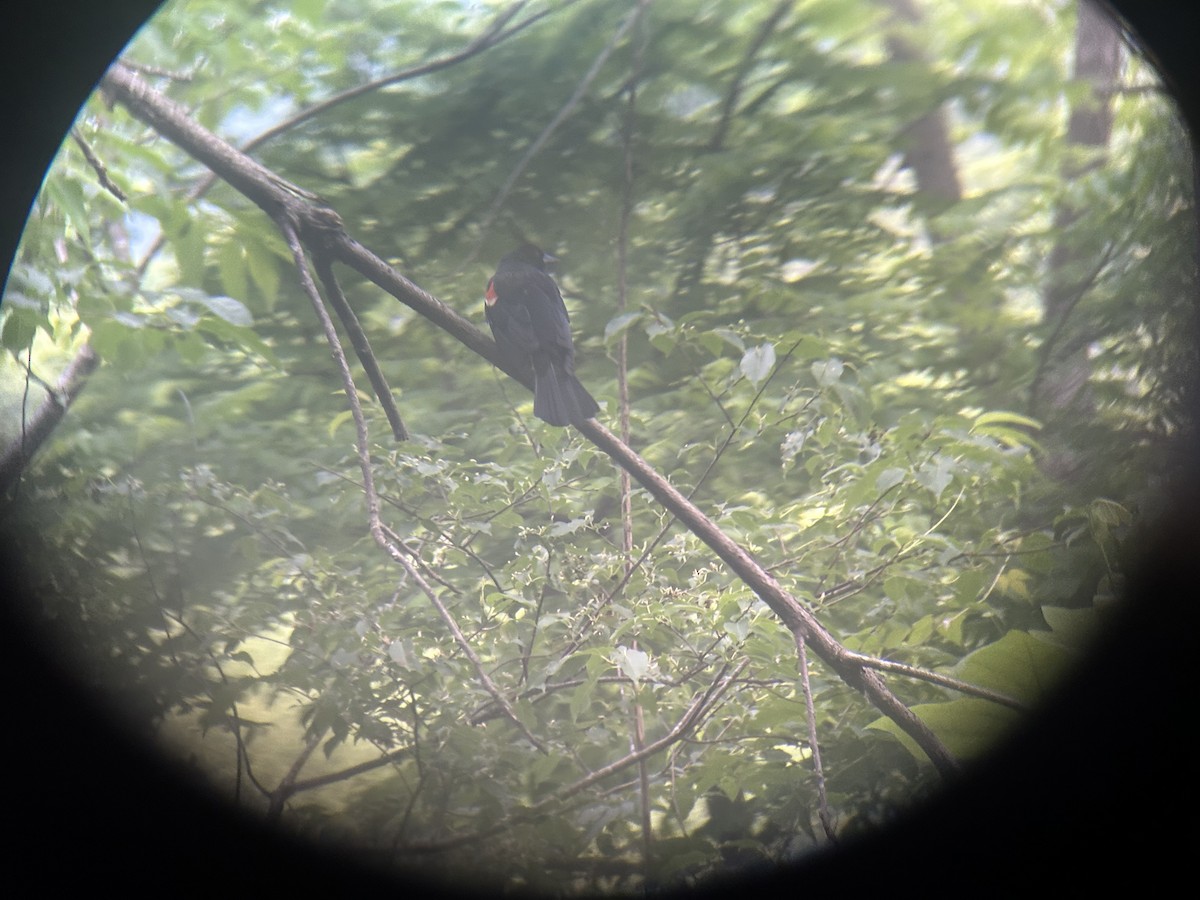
(1096, 790)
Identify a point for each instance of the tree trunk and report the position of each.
(1059, 394)
(927, 148)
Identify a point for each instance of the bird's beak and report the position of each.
(548, 258)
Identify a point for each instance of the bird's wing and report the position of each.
(536, 317)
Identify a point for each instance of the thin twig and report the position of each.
(241, 753)
(734, 428)
(378, 530)
(490, 37)
(432, 524)
(37, 428)
(560, 116)
(351, 771)
(546, 691)
(700, 246)
(477, 664)
(700, 704)
(97, 166)
(814, 745)
(362, 346)
(729, 105)
(957, 684)
(285, 789)
(626, 485)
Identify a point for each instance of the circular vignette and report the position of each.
(105, 794)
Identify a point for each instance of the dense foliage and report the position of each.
(835, 364)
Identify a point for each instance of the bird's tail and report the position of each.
(559, 398)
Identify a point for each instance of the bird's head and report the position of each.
(532, 255)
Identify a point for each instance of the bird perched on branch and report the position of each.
(529, 322)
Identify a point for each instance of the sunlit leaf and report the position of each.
(633, 663)
(758, 362)
(828, 372)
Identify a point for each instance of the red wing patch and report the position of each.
(489, 296)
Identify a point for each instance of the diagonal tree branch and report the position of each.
(490, 37)
(286, 787)
(323, 228)
(39, 426)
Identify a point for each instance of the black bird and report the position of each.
(529, 322)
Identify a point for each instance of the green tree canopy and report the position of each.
(898, 295)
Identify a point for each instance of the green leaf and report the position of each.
(889, 478)
(921, 631)
(737, 630)
(338, 421)
(238, 336)
(19, 328)
(1006, 427)
(264, 272)
(633, 663)
(68, 195)
(619, 325)
(231, 263)
(719, 337)
(758, 362)
(968, 727)
(936, 474)
(1019, 665)
(1015, 583)
(828, 372)
(558, 529)
(1005, 418)
(582, 697)
(1073, 628)
(189, 243)
(232, 311)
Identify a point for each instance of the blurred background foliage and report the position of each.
(889, 319)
